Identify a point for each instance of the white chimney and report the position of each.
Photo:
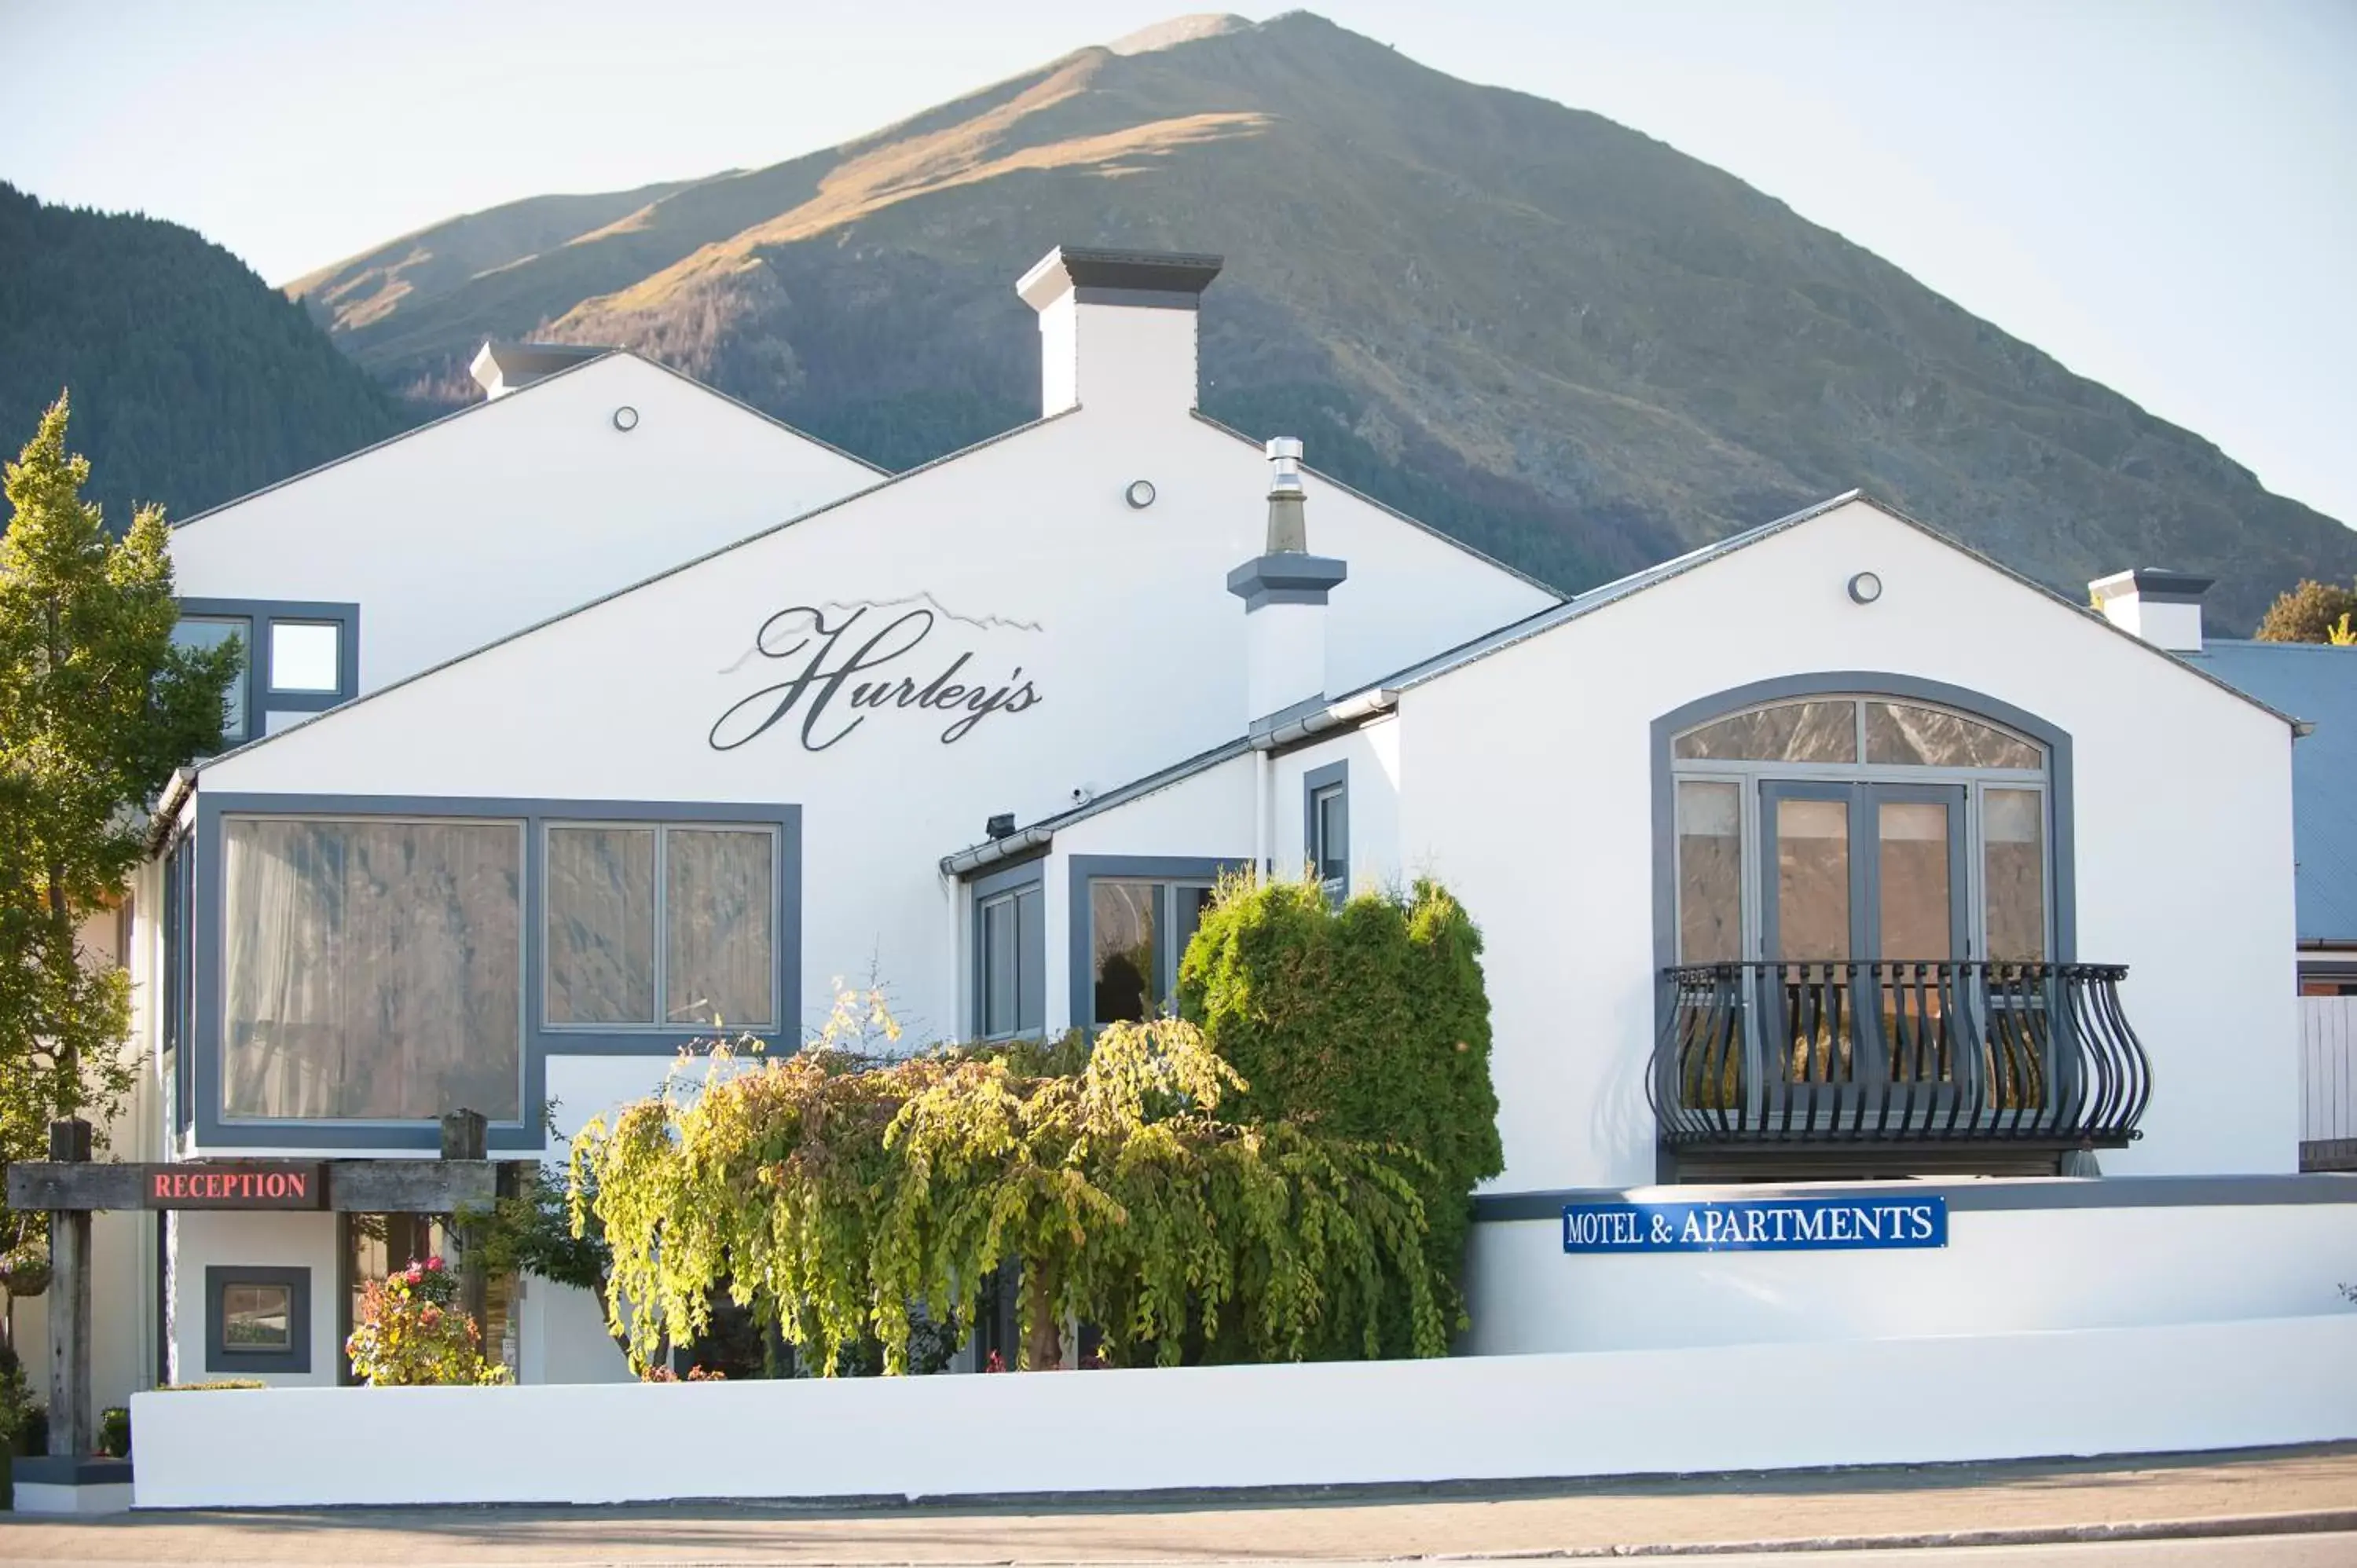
(1284, 590)
(1116, 327)
(2162, 607)
(502, 368)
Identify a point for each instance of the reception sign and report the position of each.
(1757, 1225)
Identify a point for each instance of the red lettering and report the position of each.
(161, 1182)
(179, 1184)
(299, 1181)
(277, 1185)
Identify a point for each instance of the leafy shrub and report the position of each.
(1366, 1023)
(411, 1332)
(114, 1431)
(847, 1200)
(213, 1387)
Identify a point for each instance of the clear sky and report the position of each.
(2162, 194)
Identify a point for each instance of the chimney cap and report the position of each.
(503, 367)
(1118, 277)
(2154, 584)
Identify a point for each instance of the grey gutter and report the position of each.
(1347, 713)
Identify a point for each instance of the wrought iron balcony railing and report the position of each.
(1882, 1052)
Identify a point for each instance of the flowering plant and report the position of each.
(411, 1331)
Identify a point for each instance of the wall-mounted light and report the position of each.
(626, 418)
(1140, 494)
(1865, 589)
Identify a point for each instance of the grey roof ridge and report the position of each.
(1388, 509)
(1120, 795)
(1605, 594)
(536, 382)
(671, 571)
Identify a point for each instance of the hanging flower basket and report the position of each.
(26, 1273)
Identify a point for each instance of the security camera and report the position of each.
(1083, 793)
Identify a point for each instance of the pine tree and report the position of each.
(97, 707)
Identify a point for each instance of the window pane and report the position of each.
(1812, 879)
(1123, 959)
(1331, 808)
(1710, 872)
(258, 1317)
(373, 969)
(1788, 732)
(719, 895)
(602, 926)
(1031, 962)
(1916, 891)
(1188, 903)
(1000, 974)
(1931, 738)
(304, 656)
(2013, 827)
(202, 633)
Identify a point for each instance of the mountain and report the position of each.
(1566, 342)
(193, 381)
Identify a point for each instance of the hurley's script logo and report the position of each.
(827, 656)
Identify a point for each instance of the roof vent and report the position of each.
(502, 368)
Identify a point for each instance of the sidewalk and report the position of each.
(2033, 1500)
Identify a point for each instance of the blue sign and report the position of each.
(1757, 1225)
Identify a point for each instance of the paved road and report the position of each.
(1568, 1518)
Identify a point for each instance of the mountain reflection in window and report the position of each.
(1123, 960)
(1788, 732)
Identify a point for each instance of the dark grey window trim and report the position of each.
(1163, 868)
(1031, 874)
(1856, 682)
(539, 1042)
(220, 1357)
(1314, 782)
(260, 700)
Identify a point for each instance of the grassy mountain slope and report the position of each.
(1569, 343)
(193, 381)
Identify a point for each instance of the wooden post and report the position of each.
(465, 1136)
(72, 1433)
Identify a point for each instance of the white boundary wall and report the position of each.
(2191, 1386)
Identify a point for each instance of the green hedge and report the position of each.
(1367, 1022)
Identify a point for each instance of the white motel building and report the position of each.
(1834, 852)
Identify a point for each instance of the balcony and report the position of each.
(1886, 1068)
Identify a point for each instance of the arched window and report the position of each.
(1861, 823)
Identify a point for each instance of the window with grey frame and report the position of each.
(257, 1320)
(1853, 826)
(1326, 828)
(1138, 930)
(661, 925)
(1010, 961)
(299, 657)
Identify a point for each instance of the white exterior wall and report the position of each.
(1922, 1400)
(257, 1239)
(512, 511)
(1372, 754)
(2003, 1271)
(1528, 790)
(1137, 657)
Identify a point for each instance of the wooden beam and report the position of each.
(410, 1187)
(364, 1187)
(71, 1433)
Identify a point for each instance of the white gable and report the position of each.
(512, 511)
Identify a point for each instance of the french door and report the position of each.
(1863, 907)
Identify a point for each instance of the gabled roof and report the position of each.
(2318, 684)
(1377, 696)
(597, 356)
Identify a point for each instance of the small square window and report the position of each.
(257, 1319)
(306, 656)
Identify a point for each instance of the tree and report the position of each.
(2308, 613)
(1366, 1022)
(97, 708)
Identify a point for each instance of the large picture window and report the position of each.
(639, 911)
(1131, 919)
(373, 968)
(1838, 827)
(362, 966)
